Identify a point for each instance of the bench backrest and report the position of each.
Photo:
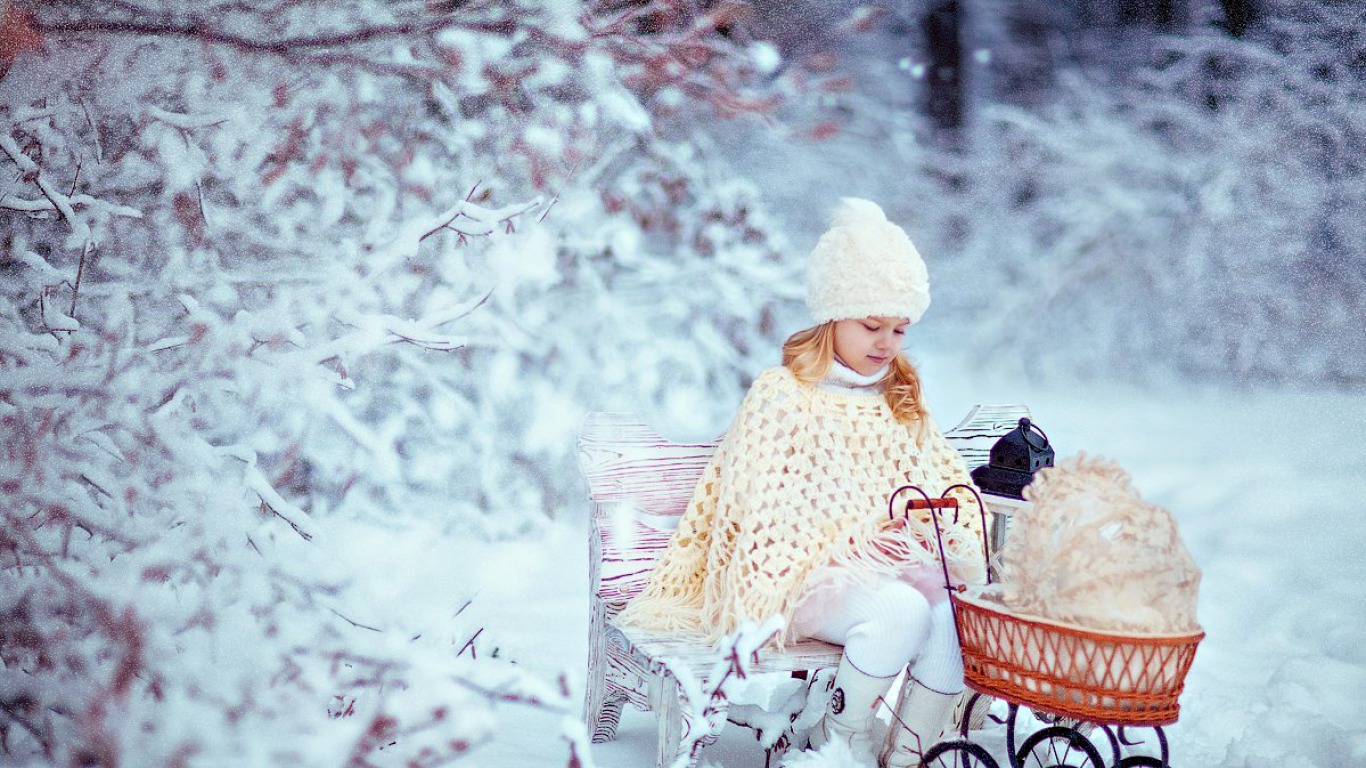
(639, 483)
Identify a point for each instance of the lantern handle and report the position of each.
(1025, 426)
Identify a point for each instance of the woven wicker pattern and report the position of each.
(798, 469)
(1101, 677)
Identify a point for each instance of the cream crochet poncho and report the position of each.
(797, 489)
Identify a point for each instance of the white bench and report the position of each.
(639, 484)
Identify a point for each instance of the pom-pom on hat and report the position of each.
(865, 266)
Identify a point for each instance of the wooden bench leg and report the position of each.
(603, 692)
(678, 728)
(667, 702)
(602, 706)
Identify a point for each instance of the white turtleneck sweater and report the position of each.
(845, 380)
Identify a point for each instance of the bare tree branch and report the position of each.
(12, 203)
(34, 175)
(80, 270)
(199, 30)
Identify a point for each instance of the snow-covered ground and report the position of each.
(1263, 483)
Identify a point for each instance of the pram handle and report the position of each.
(944, 502)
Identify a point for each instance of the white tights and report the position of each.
(889, 625)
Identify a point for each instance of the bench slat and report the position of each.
(981, 428)
(692, 652)
(625, 460)
(628, 548)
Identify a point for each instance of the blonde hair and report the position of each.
(810, 352)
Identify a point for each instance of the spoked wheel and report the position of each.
(975, 710)
(1141, 761)
(1144, 761)
(958, 754)
(1058, 747)
(1081, 726)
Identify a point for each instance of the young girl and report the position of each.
(790, 517)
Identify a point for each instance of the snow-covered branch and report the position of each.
(13, 203)
(30, 172)
(683, 55)
(205, 31)
(295, 325)
(404, 244)
(735, 657)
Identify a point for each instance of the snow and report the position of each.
(226, 325)
(1261, 483)
(766, 56)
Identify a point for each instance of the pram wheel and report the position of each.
(958, 754)
(1141, 761)
(1058, 747)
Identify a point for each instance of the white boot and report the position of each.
(921, 717)
(853, 704)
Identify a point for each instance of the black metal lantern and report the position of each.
(1014, 460)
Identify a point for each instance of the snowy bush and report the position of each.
(273, 270)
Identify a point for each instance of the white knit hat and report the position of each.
(865, 266)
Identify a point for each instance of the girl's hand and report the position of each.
(896, 539)
(893, 529)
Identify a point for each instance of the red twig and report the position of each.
(435, 346)
(42, 736)
(470, 645)
(80, 270)
(509, 698)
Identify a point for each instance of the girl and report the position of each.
(790, 517)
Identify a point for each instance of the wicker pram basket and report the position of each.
(1108, 678)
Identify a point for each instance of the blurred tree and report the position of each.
(1239, 15)
(1191, 218)
(946, 78)
(1029, 42)
(1164, 14)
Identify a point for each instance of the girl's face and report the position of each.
(869, 344)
